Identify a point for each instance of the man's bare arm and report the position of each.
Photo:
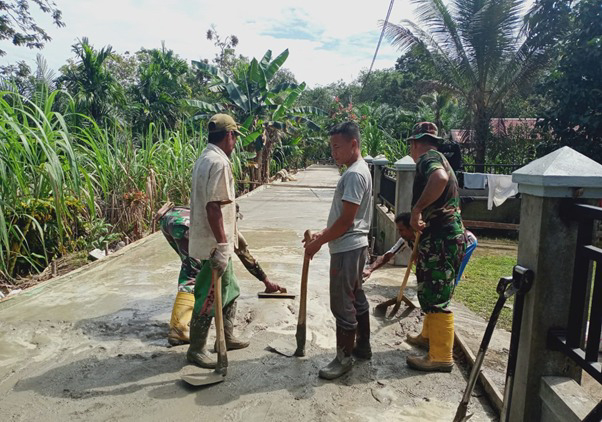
(339, 227)
(216, 221)
(433, 189)
(342, 224)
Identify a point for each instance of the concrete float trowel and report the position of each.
(219, 373)
(283, 346)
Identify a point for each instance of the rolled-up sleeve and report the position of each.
(218, 185)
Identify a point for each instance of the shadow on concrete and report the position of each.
(91, 377)
(127, 374)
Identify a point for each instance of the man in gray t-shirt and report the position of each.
(347, 238)
(355, 186)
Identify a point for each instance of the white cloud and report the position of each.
(128, 25)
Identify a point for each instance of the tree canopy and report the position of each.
(17, 23)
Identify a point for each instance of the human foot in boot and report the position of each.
(197, 354)
(441, 343)
(421, 340)
(362, 349)
(179, 325)
(343, 362)
(232, 343)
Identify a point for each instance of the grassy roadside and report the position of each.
(491, 260)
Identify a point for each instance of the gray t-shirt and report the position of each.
(355, 186)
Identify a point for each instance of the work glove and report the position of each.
(219, 258)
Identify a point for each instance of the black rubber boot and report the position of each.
(199, 329)
(232, 343)
(362, 349)
(343, 362)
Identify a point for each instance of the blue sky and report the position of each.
(328, 39)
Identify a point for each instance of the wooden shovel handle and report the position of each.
(301, 327)
(304, 273)
(409, 268)
(222, 356)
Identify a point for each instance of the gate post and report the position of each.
(547, 245)
(405, 169)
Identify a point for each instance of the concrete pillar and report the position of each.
(547, 245)
(406, 170)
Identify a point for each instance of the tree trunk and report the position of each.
(481, 132)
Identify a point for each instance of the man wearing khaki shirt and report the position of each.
(213, 237)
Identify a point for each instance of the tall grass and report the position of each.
(59, 180)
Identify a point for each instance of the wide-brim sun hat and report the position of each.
(424, 131)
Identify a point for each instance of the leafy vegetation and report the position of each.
(478, 51)
(574, 88)
(87, 155)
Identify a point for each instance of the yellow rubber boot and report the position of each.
(441, 344)
(421, 340)
(179, 326)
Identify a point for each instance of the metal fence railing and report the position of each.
(490, 168)
(569, 340)
(388, 183)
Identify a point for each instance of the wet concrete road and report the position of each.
(92, 345)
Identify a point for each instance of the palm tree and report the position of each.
(160, 90)
(480, 51)
(94, 89)
(267, 111)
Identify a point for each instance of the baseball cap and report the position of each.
(222, 123)
(424, 130)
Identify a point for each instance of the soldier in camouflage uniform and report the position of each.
(174, 223)
(436, 214)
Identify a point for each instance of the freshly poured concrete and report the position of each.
(92, 345)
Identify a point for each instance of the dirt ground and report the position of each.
(92, 345)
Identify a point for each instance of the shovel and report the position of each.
(519, 283)
(219, 373)
(282, 346)
(382, 307)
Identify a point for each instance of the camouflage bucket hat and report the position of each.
(222, 123)
(425, 130)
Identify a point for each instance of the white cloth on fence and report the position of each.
(475, 180)
(500, 189)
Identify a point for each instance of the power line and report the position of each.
(382, 33)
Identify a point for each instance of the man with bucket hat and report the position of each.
(213, 237)
(436, 214)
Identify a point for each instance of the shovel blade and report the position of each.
(197, 380)
(395, 309)
(283, 347)
(381, 308)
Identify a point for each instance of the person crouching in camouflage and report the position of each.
(174, 223)
(436, 214)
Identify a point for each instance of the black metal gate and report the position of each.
(569, 340)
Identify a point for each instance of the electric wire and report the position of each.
(382, 33)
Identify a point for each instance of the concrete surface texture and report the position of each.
(92, 345)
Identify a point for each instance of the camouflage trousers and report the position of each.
(439, 258)
(248, 260)
(174, 226)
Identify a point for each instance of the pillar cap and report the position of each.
(564, 173)
(380, 160)
(368, 158)
(405, 163)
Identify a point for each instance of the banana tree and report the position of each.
(267, 110)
